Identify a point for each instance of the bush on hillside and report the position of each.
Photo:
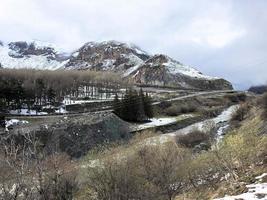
(175, 110)
(192, 139)
(151, 172)
(241, 112)
(210, 112)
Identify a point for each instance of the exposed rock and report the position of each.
(161, 70)
(107, 56)
(77, 135)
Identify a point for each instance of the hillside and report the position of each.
(125, 59)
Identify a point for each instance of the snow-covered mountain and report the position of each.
(107, 56)
(33, 54)
(162, 70)
(126, 59)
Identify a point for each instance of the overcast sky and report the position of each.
(219, 37)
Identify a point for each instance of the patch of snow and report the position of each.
(61, 110)
(131, 70)
(43, 44)
(133, 60)
(29, 61)
(13, 122)
(108, 63)
(26, 112)
(255, 192)
(75, 54)
(175, 67)
(158, 122)
(67, 101)
(219, 121)
(261, 176)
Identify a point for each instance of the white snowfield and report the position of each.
(26, 112)
(30, 61)
(175, 67)
(13, 122)
(222, 120)
(257, 191)
(158, 122)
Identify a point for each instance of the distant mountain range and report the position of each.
(126, 59)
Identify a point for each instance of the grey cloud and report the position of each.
(225, 38)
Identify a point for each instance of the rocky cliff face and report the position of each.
(107, 56)
(127, 60)
(162, 70)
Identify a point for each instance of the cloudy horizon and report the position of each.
(223, 38)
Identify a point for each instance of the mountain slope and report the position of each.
(32, 54)
(107, 56)
(162, 70)
(125, 59)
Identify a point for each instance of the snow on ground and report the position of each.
(133, 60)
(257, 191)
(13, 122)
(220, 121)
(61, 110)
(26, 112)
(67, 101)
(158, 122)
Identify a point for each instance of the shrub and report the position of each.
(235, 98)
(210, 112)
(173, 110)
(241, 112)
(151, 172)
(192, 139)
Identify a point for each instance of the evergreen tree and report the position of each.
(51, 95)
(141, 115)
(117, 106)
(148, 106)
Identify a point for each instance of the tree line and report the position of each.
(133, 106)
(39, 87)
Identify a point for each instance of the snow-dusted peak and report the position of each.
(174, 67)
(31, 54)
(114, 45)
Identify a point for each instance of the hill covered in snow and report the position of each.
(126, 59)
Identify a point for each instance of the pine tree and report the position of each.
(117, 107)
(141, 115)
(51, 95)
(148, 106)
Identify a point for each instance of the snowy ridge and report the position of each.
(125, 59)
(175, 67)
(10, 57)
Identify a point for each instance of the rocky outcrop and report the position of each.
(161, 70)
(76, 135)
(107, 56)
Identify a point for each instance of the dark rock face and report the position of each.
(77, 135)
(106, 56)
